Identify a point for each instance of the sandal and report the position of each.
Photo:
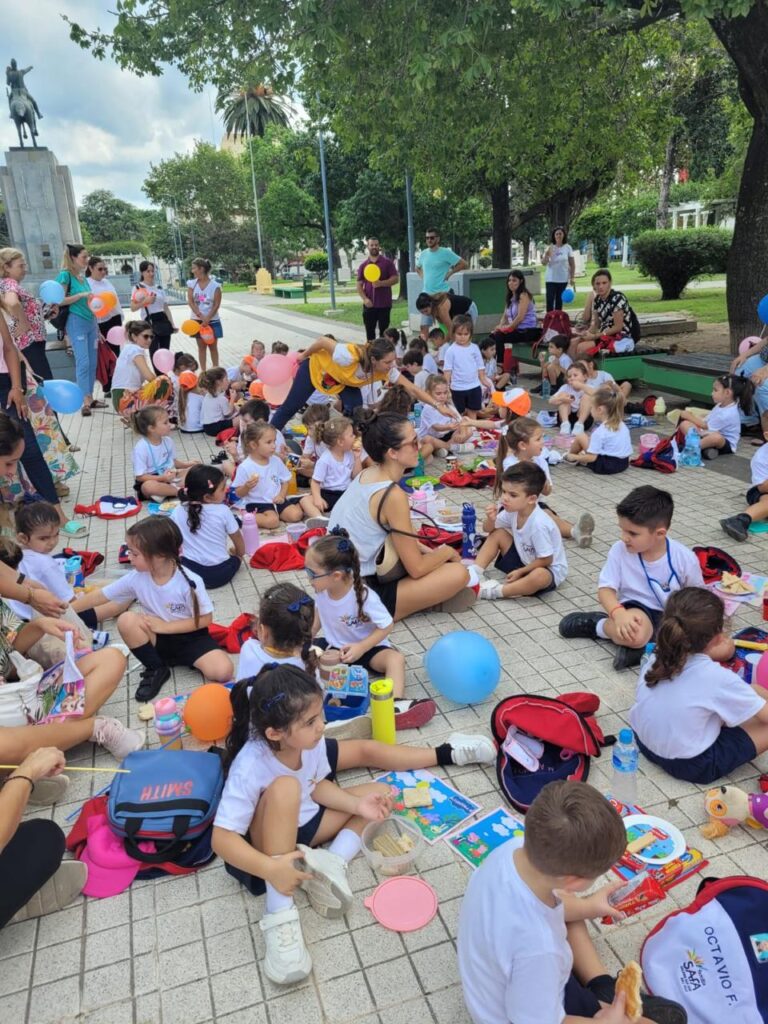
(98, 405)
(74, 529)
(86, 411)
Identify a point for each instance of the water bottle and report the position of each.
(417, 414)
(691, 453)
(468, 530)
(73, 570)
(250, 533)
(625, 757)
(546, 388)
(419, 469)
(383, 711)
(647, 656)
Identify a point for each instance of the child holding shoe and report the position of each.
(607, 449)
(694, 718)
(642, 570)
(522, 539)
(525, 954)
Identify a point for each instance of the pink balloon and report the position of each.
(276, 394)
(760, 676)
(163, 360)
(747, 343)
(116, 335)
(275, 370)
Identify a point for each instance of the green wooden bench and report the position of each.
(690, 374)
(286, 292)
(628, 367)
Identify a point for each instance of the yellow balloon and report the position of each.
(190, 327)
(372, 272)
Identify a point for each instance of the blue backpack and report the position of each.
(712, 956)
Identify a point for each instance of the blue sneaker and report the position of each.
(100, 639)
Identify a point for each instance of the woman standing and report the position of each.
(614, 323)
(561, 268)
(204, 298)
(112, 316)
(25, 312)
(82, 328)
(149, 296)
(518, 321)
(444, 306)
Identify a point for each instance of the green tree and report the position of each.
(107, 218)
(250, 110)
(208, 184)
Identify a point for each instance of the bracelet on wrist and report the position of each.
(24, 778)
(612, 612)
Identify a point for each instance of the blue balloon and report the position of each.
(463, 666)
(51, 292)
(62, 395)
(762, 309)
(568, 295)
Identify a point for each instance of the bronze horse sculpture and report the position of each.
(23, 115)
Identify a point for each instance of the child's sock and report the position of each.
(276, 900)
(600, 629)
(444, 754)
(346, 844)
(147, 655)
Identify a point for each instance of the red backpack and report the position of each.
(468, 478)
(556, 321)
(566, 730)
(664, 457)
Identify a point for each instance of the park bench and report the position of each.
(293, 291)
(688, 373)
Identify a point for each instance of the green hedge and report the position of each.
(676, 257)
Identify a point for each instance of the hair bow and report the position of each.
(266, 705)
(344, 544)
(295, 606)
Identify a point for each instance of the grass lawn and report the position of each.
(630, 275)
(708, 307)
(347, 312)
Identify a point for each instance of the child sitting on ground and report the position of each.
(434, 430)
(555, 361)
(522, 440)
(599, 378)
(695, 719)
(413, 363)
(722, 426)
(261, 481)
(419, 345)
(757, 499)
(573, 401)
(218, 410)
(398, 339)
(525, 954)
(190, 404)
(157, 471)
(642, 570)
(338, 464)
(522, 539)
(208, 527)
(439, 344)
(249, 364)
(279, 348)
(608, 448)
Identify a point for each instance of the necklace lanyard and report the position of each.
(166, 454)
(665, 588)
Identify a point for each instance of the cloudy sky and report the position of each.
(105, 124)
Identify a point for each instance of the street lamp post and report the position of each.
(327, 214)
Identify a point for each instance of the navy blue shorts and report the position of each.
(579, 1000)
(366, 659)
(472, 399)
(654, 614)
(304, 834)
(732, 748)
(512, 561)
(266, 507)
(607, 465)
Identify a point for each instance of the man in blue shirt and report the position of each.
(435, 265)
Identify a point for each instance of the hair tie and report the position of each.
(296, 605)
(343, 545)
(266, 705)
(504, 430)
(338, 531)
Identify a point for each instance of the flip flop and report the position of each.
(74, 529)
(98, 405)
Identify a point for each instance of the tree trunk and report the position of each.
(662, 210)
(502, 235)
(402, 266)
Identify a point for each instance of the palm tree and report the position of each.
(254, 107)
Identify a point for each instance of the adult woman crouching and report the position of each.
(374, 509)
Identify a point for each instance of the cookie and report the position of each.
(628, 982)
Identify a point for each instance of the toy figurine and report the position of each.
(728, 806)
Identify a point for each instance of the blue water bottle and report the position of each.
(468, 530)
(417, 414)
(546, 388)
(691, 453)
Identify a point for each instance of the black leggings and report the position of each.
(32, 856)
(212, 429)
(302, 388)
(32, 460)
(214, 576)
(555, 291)
(376, 317)
(523, 335)
(38, 360)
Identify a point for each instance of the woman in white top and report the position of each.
(207, 526)
(112, 316)
(134, 383)
(721, 429)
(375, 509)
(149, 297)
(561, 268)
(204, 299)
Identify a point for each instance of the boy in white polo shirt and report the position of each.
(525, 955)
(641, 571)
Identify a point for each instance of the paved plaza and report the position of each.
(189, 950)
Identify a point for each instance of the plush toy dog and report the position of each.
(729, 806)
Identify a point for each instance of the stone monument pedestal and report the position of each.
(40, 208)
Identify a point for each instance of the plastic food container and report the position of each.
(295, 530)
(648, 442)
(395, 829)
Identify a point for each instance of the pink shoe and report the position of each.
(419, 713)
(116, 738)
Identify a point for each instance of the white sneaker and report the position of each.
(475, 575)
(357, 728)
(441, 452)
(578, 428)
(287, 959)
(469, 749)
(328, 890)
(58, 892)
(100, 639)
(565, 428)
(49, 791)
(583, 530)
(114, 737)
(491, 590)
(317, 522)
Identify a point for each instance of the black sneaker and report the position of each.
(627, 657)
(737, 527)
(220, 457)
(581, 624)
(655, 1008)
(152, 680)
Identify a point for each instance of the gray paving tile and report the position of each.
(236, 989)
(55, 1002)
(110, 984)
(187, 1004)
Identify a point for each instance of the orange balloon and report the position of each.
(248, 360)
(188, 379)
(207, 335)
(256, 389)
(208, 713)
(142, 295)
(190, 328)
(101, 302)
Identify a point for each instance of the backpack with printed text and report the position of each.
(712, 956)
(567, 733)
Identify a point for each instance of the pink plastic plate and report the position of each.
(403, 904)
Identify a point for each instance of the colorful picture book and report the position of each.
(449, 808)
(479, 838)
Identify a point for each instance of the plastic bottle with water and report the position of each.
(691, 453)
(625, 757)
(546, 388)
(417, 414)
(647, 656)
(251, 537)
(468, 530)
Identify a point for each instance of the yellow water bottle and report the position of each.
(383, 711)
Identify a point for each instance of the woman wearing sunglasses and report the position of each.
(134, 383)
(112, 315)
(374, 510)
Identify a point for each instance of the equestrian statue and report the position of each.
(24, 110)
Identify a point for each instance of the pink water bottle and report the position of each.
(250, 533)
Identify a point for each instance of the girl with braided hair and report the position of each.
(282, 632)
(207, 527)
(692, 716)
(355, 621)
(173, 629)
